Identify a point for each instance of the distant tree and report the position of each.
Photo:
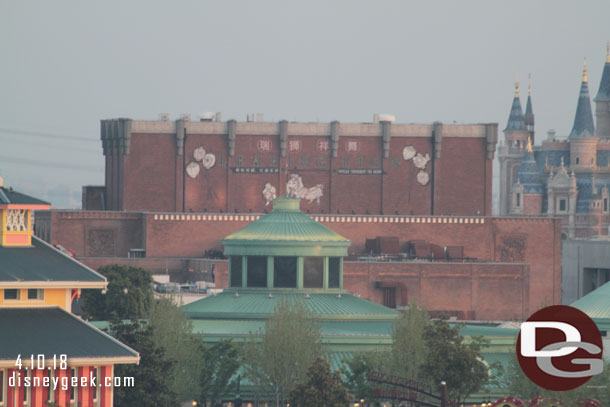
(218, 366)
(409, 348)
(452, 360)
(129, 295)
(321, 388)
(153, 384)
(355, 371)
(172, 330)
(520, 386)
(278, 358)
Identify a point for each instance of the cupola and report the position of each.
(16, 216)
(286, 249)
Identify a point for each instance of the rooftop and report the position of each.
(596, 305)
(8, 196)
(40, 262)
(53, 331)
(249, 305)
(284, 226)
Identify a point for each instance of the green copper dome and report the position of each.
(286, 231)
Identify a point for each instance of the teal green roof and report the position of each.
(486, 330)
(258, 305)
(223, 328)
(596, 305)
(285, 226)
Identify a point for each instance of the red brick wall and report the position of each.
(149, 174)
(533, 241)
(150, 177)
(463, 177)
(97, 234)
(492, 291)
(532, 204)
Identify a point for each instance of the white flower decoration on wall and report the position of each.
(207, 161)
(419, 161)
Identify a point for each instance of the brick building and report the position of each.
(174, 189)
(565, 178)
(365, 168)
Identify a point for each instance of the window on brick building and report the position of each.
(562, 205)
(257, 272)
(577, 160)
(605, 204)
(313, 272)
(389, 297)
(518, 199)
(236, 267)
(284, 272)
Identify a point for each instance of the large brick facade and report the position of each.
(511, 266)
(359, 168)
(173, 190)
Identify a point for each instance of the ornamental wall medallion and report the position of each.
(511, 248)
(408, 152)
(296, 189)
(206, 160)
(423, 178)
(269, 193)
(199, 153)
(420, 160)
(192, 170)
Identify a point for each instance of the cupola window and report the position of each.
(284, 272)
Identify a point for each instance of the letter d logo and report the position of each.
(559, 348)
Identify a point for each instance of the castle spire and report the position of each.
(529, 110)
(515, 118)
(583, 120)
(603, 93)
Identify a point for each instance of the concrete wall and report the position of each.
(578, 255)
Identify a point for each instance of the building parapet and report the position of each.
(310, 129)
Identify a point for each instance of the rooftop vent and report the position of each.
(386, 117)
(207, 117)
(164, 117)
(186, 117)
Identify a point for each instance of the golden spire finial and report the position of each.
(584, 72)
(608, 51)
(517, 86)
(529, 84)
(529, 144)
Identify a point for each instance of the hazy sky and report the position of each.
(67, 64)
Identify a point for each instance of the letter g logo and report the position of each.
(554, 346)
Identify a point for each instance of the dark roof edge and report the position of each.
(69, 257)
(99, 331)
